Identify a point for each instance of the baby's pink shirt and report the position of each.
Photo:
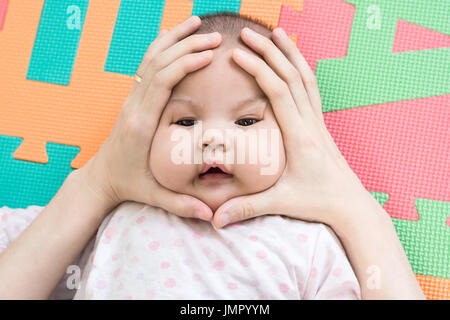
(144, 252)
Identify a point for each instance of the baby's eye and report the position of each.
(246, 122)
(186, 122)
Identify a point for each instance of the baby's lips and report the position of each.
(207, 166)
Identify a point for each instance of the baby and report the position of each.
(204, 147)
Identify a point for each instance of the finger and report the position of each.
(282, 66)
(193, 43)
(243, 208)
(162, 33)
(284, 107)
(160, 44)
(180, 204)
(291, 51)
(160, 88)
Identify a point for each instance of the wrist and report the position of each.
(94, 186)
(358, 211)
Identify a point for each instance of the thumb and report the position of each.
(182, 205)
(243, 208)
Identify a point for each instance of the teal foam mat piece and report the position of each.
(206, 6)
(138, 24)
(24, 183)
(57, 40)
(427, 241)
(371, 74)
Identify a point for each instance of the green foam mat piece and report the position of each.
(371, 74)
(427, 241)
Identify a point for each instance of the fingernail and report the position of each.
(193, 19)
(249, 33)
(241, 54)
(212, 36)
(280, 32)
(198, 214)
(225, 219)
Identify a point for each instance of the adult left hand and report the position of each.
(317, 183)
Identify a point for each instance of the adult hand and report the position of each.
(120, 170)
(317, 180)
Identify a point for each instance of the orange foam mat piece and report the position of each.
(434, 288)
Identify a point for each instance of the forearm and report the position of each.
(375, 252)
(33, 264)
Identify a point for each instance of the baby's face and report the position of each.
(206, 121)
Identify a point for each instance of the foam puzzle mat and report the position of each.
(382, 67)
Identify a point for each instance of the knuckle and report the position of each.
(133, 126)
(311, 81)
(294, 76)
(280, 90)
(148, 58)
(247, 210)
(158, 79)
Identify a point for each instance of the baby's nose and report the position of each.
(215, 141)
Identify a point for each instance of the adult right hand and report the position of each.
(120, 170)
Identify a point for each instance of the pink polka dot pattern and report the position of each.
(245, 262)
(154, 245)
(284, 287)
(170, 283)
(219, 265)
(313, 272)
(302, 237)
(232, 285)
(153, 254)
(140, 219)
(337, 272)
(261, 254)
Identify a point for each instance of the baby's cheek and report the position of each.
(168, 169)
(271, 162)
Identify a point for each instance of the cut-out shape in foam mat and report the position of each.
(427, 241)
(24, 183)
(371, 73)
(411, 37)
(399, 148)
(330, 21)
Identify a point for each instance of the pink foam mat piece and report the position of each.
(323, 28)
(399, 148)
(3, 8)
(412, 37)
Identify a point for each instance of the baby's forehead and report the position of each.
(236, 102)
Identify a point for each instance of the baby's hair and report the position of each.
(230, 24)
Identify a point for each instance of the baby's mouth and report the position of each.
(214, 173)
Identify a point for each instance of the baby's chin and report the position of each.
(214, 198)
(214, 195)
